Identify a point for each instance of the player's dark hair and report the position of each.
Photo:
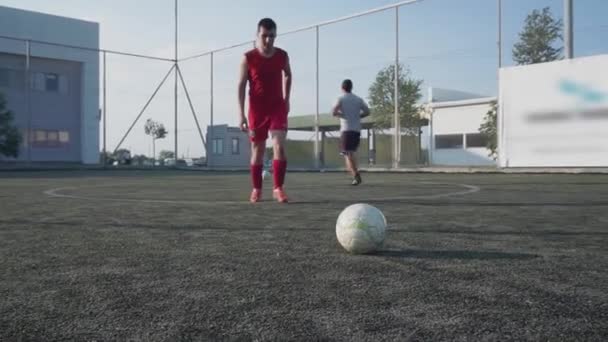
(268, 24)
(347, 85)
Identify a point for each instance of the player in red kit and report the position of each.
(267, 70)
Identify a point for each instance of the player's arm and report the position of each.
(337, 109)
(364, 109)
(287, 79)
(241, 93)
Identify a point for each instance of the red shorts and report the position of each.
(264, 119)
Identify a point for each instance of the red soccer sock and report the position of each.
(256, 176)
(279, 168)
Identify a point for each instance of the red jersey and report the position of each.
(265, 78)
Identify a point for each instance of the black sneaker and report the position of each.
(357, 180)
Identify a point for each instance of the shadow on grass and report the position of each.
(454, 254)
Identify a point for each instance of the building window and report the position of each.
(235, 146)
(49, 82)
(39, 136)
(448, 141)
(50, 138)
(64, 137)
(38, 81)
(218, 146)
(476, 140)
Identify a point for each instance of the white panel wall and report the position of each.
(554, 114)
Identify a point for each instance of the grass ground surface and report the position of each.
(178, 255)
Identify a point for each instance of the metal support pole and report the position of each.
(317, 149)
(28, 100)
(175, 85)
(568, 31)
(369, 147)
(431, 143)
(372, 144)
(499, 34)
(397, 137)
(322, 153)
(210, 137)
(105, 112)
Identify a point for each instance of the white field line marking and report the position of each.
(57, 194)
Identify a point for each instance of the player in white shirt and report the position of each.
(350, 108)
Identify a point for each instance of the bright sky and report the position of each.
(446, 43)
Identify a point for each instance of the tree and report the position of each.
(382, 100)
(489, 129)
(109, 157)
(141, 159)
(537, 39)
(122, 156)
(10, 138)
(157, 131)
(164, 154)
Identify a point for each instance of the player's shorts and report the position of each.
(349, 142)
(262, 120)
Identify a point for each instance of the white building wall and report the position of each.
(463, 119)
(459, 118)
(43, 27)
(462, 157)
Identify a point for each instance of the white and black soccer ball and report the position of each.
(361, 228)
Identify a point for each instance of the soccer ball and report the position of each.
(265, 174)
(361, 228)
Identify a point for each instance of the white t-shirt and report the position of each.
(351, 107)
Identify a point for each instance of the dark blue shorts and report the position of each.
(349, 142)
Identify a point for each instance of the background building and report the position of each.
(453, 133)
(56, 101)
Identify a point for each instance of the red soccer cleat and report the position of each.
(256, 195)
(279, 195)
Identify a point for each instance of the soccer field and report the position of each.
(181, 255)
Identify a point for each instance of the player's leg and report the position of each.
(352, 163)
(258, 133)
(351, 144)
(343, 152)
(278, 134)
(279, 163)
(346, 161)
(352, 160)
